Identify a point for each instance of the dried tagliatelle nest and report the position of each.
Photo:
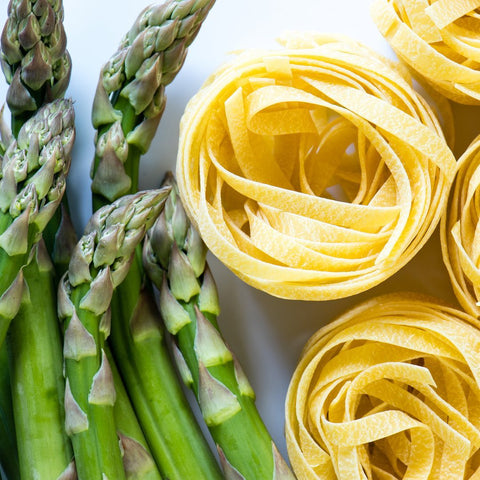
(390, 390)
(314, 171)
(439, 39)
(460, 231)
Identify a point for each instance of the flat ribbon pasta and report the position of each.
(390, 390)
(438, 39)
(314, 171)
(460, 231)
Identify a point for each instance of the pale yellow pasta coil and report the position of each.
(460, 231)
(438, 39)
(314, 171)
(390, 390)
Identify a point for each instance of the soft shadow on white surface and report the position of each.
(266, 333)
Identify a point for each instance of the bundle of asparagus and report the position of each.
(84, 411)
(175, 259)
(37, 67)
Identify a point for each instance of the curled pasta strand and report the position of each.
(390, 389)
(438, 39)
(313, 171)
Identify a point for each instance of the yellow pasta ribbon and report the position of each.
(389, 390)
(460, 231)
(438, 39)
(313, 171)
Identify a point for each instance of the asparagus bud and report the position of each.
(34, 58)
(130, 96)
(99, 263)
(32, 182)
(174, 258)
(35, 166)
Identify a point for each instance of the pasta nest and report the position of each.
(460, 231)
(390, 390)
(438, 39)
(314, 171)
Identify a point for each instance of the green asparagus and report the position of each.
(34, 58)
(99, 263)
(32, 184)
(129, 101)
(37, 67)
(174, 258)
(138, 461)
(130, 96)
(140, 351)
(38, 386)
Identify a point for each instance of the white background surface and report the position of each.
(266, 333)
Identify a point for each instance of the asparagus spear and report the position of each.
(174, 257)
(175, 439)
(34, 58)
(61, 238)
(37, 66)
(32, 183)
(130, 96)
(99, 263)
(138, 461)
(38, 385)
(128, 105)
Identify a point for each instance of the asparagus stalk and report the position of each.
(174, 257)
(60, 237)
(130, 96)
(38, 386)
(37, 67)
(32, 184)
(174, 437)
(98, 265)
(34, 58)
(128, 105)
(8, 447)
(138, 461)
